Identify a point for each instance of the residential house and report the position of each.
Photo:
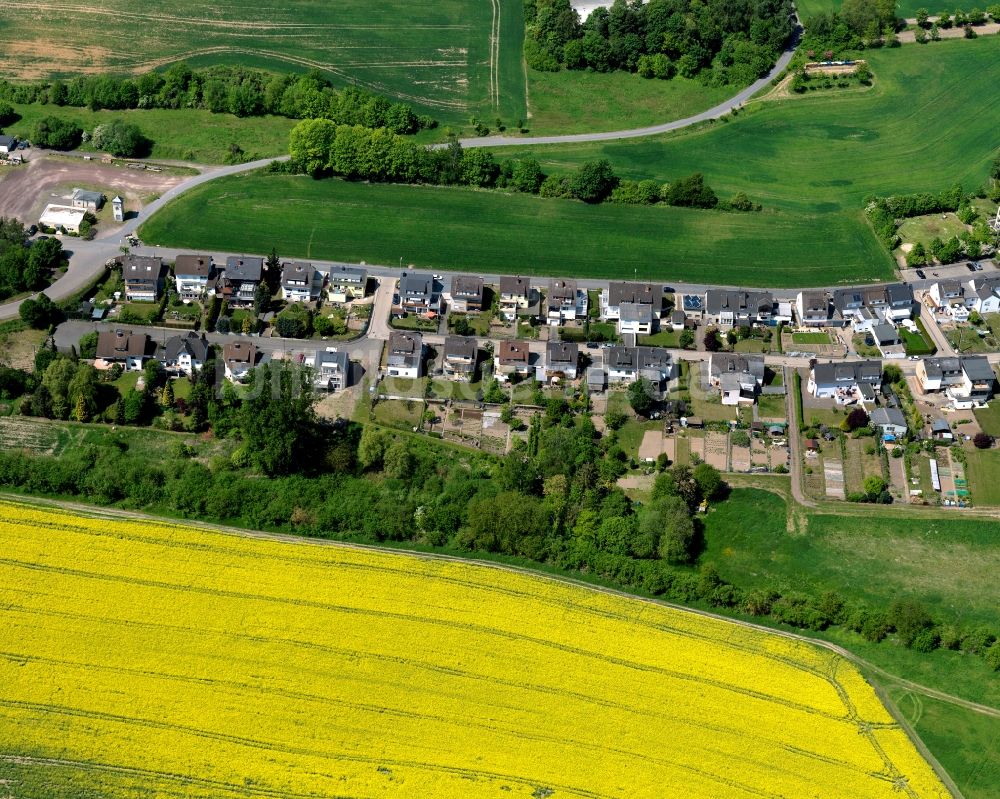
(693, 306)
(738, 308)
(184, 354)
(967, 382)
(346, 283)
(406, 355)
(144, 277)
(887, 340)
(813, 308)
(619, 292)
(300, 282)
(565, 302)
(331, 369)
(512, 359)
(890, 422)
(87, 200)
(467, 294)
(418, 293)
(562, 358)
(891, 303)
(518, 298)
(8, 144)
(983, 295)
(123, 347)
(460, 357)
(240, 280)
(239, 358)
(846, 382)
(738, 376)
(627, 364)
(192, 275)
(637, 318)
(949, 299)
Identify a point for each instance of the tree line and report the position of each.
(25, 268)
(553, 500)
(224, 89)
(320, 148)
(720, 41)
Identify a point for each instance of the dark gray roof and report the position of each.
(244, 268)
(977, 368)
(351, 274)
(561, 291)
(735, 362)
(677, 317)
(193, 265)
(940, 426)
(939, 367)
(653, 358)
(297, 272)
(515, 286)
(467, 287)
(143, 268)
(621, 358)
(88, 196)
(413, 284)
(899, 294)
(405, 349)
(459, 347)
(636, 312)
(338, 360)
(888, 416)
(885, 334)
(562, 352)
(7, 141)
(194, 345)
(750, 302)
(848, 372)
(646, 293)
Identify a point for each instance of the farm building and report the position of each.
(7, 144)
(62, 218)
(87, 200)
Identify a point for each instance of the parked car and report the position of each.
(970, 266)
(32, 230)
(921, 274)
(977, 266)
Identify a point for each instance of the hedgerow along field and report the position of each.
(221, 666)
(450, 58)
(482, 231)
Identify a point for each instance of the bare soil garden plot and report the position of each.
(717, 450)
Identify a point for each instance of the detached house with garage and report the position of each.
(144, 277)
(192, 275)
(129, 350)
(240, 280)
(183, 354)
(562, 359)
(346, 283)
(406, 355)
(627, 364)
(949, 298)
(868, 305)
(621, 292)
(300, 282)
(983, 295)
(418, 294)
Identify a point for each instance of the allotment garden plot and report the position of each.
(451, 56)
(201, 663)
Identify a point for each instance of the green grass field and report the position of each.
(577, 101)
(450, 58)
(905, 8)
(983, 471)
(460, 229)
(184, 134)
(824, 154)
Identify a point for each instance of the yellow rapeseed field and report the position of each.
(143, 659)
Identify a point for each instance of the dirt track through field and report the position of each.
(22, 188)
